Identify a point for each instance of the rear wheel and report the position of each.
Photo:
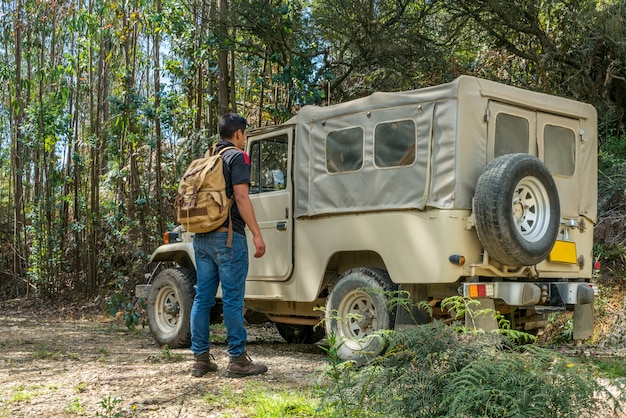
(357, 310)
(169, 307)
(300, 334)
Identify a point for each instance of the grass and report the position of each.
(258, 400)
(44, 353)
(23, 393)
(80, 387)
(74, 407)
(610, 367)
(218, 333)
(166, 355)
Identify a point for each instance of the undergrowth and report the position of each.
(433, 371)
(436, 370)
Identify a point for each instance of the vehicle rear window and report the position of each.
(559, 147)
(344, 150)
(394, 144)
(512, 135)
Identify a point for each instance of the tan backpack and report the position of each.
(202, 204)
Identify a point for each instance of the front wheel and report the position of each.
(169, 307)
(357, 310)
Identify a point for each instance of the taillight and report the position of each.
(479, 290)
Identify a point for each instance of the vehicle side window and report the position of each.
(512, 135)
(394, 144)
(559, 149)
(344, 150)
(268, 164)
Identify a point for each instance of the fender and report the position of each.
(179, 252)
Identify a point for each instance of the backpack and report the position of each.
(202, 204)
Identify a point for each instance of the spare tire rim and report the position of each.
(531, 209)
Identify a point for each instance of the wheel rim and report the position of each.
(167, 309)
(358, 318)
(531, 209)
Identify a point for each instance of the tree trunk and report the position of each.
(158, 190)
(17, 163)
(222, 59)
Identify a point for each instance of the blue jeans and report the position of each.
(215, 264)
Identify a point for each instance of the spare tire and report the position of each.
(517, 210)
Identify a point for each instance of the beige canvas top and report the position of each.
(452, 149)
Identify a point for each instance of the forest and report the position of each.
(104, 103)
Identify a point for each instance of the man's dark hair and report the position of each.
(231, 123)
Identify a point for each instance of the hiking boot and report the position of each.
(204, 363)
(243, 366)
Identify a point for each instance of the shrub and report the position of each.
(433, 371)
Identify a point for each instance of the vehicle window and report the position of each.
(394, 144)
(559, 148)
(512, 135)
(268, 164)
(344, 150)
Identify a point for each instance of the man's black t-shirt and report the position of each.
(236, 171)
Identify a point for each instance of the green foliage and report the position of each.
(108, 404)
(401, 299)
(523, 383)
(432, 370)
(89, 117)
(460, 307)
(120, 304)
(260, 401)
(610, 367)
(74, 407)
(458, 371)
(610, 233)
(336, 396)
(165, 356)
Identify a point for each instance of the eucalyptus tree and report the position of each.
(373, 45)
(277, 58)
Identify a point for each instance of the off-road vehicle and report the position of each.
(469, 188)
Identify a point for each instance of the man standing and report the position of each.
(217, 263)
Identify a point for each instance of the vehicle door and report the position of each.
(271, 196)
(559, 149)
(511, 130)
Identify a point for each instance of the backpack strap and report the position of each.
(213, 151)
(229, 240)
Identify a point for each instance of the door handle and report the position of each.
(281, 226)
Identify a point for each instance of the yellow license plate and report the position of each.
(563, 252)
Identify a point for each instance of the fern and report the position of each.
(523, 382)
(433, 371)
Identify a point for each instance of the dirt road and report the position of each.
(52, 366)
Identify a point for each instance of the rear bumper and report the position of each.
(555, 294)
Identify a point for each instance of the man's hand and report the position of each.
(259, 245)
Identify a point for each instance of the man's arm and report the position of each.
(242, 198)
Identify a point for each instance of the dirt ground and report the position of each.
(70, 363)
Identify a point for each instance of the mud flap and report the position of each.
(407, 317)
(583, 321)
(485, 321)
